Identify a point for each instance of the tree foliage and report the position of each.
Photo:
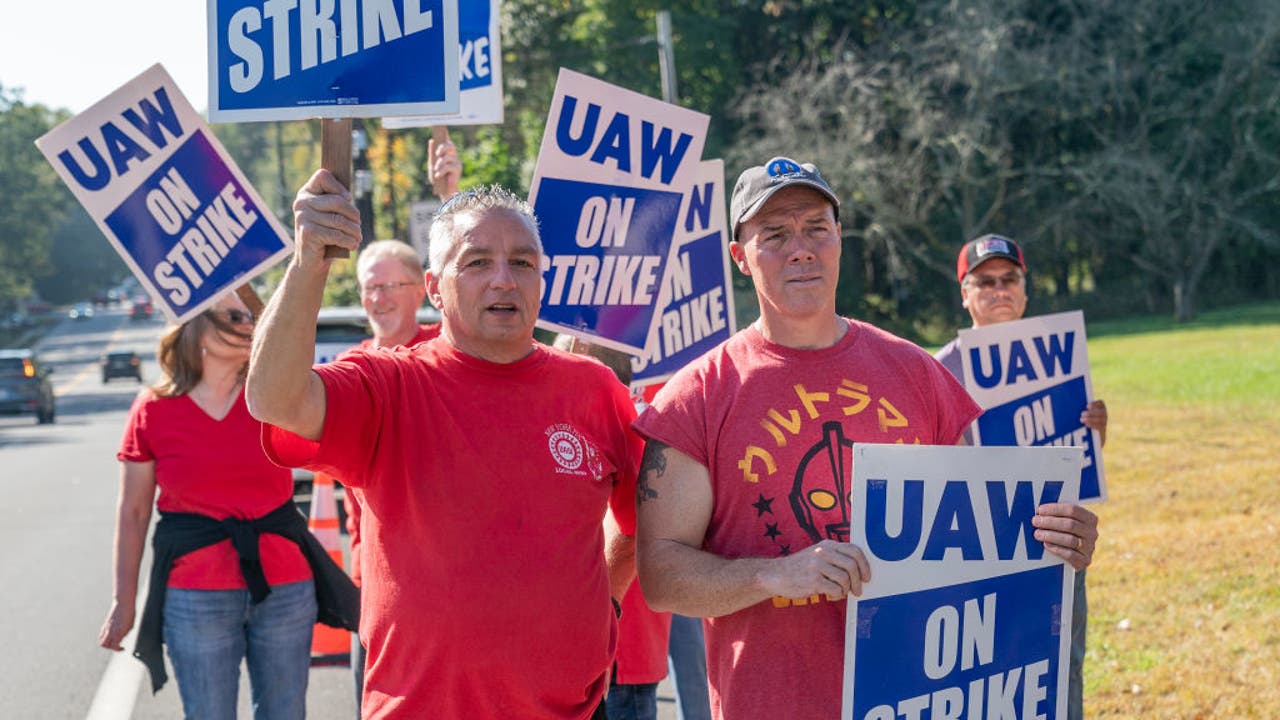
(1124, 142)
(32, 199)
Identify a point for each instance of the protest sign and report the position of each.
(479, 67)
(966, 614)
(612, 175)
(695, 302)
(1031, 377)
(166, 194)
(274, 60)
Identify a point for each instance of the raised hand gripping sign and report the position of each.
(284, 60)
(613, 172)
(966, 615)
(1031, 377)
(166, 194)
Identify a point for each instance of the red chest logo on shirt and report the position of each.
(572, 452)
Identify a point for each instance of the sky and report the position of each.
(69, 55)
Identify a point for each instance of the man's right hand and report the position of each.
(830, 568)
(323, 216)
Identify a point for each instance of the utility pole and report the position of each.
(666, 57)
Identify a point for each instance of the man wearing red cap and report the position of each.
(993, 288)
(739, 521)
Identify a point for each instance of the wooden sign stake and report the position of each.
(335, 156)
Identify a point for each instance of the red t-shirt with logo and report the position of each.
(484, 487)
(215, 468)
(776, 426)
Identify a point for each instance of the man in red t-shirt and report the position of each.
(486, 463)
(743, 508)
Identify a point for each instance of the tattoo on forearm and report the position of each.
(655, 459)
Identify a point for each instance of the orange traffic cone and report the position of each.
(329, 645)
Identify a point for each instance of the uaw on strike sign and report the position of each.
(479, 71)
(627, 209)
(966, 616)
(285, 60)
(1031, 377)
(166, 194)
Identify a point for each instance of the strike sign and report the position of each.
(285, 60)
(1031, 377)
(166, 194)
(695, 302)
(479, 68)
(613, 172)
(966, 616)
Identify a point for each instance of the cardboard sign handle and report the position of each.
(250, 299)
(335, 156)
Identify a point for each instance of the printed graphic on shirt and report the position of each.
(572, 452)
(800, 504)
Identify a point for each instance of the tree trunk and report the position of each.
(1184, 308)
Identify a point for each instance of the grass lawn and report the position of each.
(1184, 592)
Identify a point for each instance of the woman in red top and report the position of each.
(191, 438)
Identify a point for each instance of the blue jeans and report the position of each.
(1079, 626)
(688, 665)
(633, 702)
(208, 633)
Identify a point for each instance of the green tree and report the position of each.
(32, 199)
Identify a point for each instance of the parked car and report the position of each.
(80, 311)
(121, 364)
(25, 386)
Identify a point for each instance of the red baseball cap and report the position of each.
(979, 250)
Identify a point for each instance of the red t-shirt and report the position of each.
(351, 496)
(642, 640)
(215, 468)
(484, 487)
(774, 424)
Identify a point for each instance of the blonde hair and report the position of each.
(397, 249)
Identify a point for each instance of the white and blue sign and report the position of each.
(696, 300)
(479, 68)
(966, 614)
(166, 194)
(613, 172)
(1031, 377)
(285, 60)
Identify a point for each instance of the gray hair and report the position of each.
(394, 249)
(477, 199)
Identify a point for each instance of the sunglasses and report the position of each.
(235, 317)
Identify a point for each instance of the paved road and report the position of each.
(59, 483)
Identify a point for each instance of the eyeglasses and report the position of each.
(385, 288)
(991, 282)
(235, 317)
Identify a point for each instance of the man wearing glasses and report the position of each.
(993, 288)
